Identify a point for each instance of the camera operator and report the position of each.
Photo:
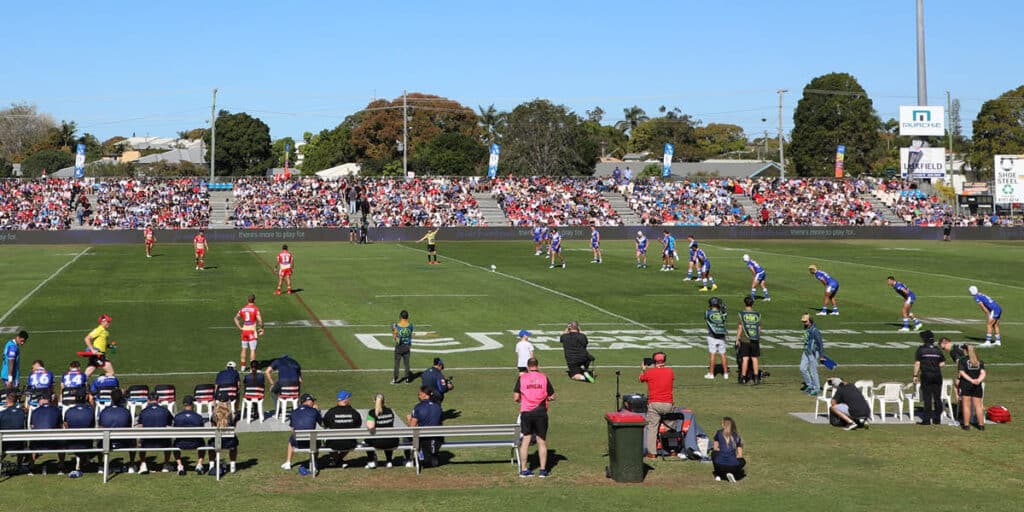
(434, 379)
(577, 358)
(659, 379)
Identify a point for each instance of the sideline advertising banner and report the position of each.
(919, 162)
(1009, 182)
(924, 121)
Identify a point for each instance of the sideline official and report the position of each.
(928, 363)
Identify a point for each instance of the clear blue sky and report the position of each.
(148, 67)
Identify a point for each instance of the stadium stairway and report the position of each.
(90, 194)
(618, 202)
(491, 210)
(222, 202)
(880, 206)
(747, 204)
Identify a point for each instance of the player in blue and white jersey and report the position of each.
(74, 378)
(992, 311)
(641, 250)
(556, 248)
(704, 267)
(831, 288)
(538, 238)
(595, 244)
(41, 379)
(668, 252)
(691, 264)
(759, 277)
(909, 298)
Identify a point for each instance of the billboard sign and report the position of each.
(666, 165)
(80, 161)
(840, 160)
(925, 121)
(492, 162)
(917, 162)
(1009, 182)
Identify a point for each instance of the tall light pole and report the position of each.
(405, 135)
(782, 157)
(922, 79)
(213, 134)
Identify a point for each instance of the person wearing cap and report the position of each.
(849, 404)
(992, 311)
(342, 415)
(760, 277)
(46, 416)
(533, 391)
(814, 350)
(381, 416)
(10, 371)
(831, 288)
(659, 379)
(117, 416)
(306, 417)
(81, 415)
(188, 418)
(434, 379)
(928, 363)
(154, 416)
(524, 350)
(577, 357)
(641, 249)
(227, 378)
(427, 413)
(401, 331)
(96, 343)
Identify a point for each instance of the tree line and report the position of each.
(538, 137)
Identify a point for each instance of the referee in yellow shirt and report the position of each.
(96, 343)
(431, 237)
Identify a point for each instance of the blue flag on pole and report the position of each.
(492, 163)
(80, 161)
(666, 166)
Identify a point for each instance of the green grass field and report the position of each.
(173, 324)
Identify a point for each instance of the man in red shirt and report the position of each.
(201, 245)
(150, 239)
(250, 322)
(284, 268)
(659, 379)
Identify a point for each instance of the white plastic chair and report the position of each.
(252, 399)
(867, 388)
(912, 394)
(947, 396)
(890, 393)
(825, 397)
(289, 396)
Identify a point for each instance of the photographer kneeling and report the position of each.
(849, 405)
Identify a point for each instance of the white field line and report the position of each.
(512, 368)
(887, 269)
(155, 301)
(42, 284)
(540, 287)
(620, 323)
(384, 325)
(430, 295)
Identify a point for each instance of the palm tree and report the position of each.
(633, 116)
(492, 122)
(66, 136)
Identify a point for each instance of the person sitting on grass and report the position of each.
(727, 455)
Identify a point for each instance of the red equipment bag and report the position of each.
(998, 414)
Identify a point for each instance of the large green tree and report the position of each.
(50, 160)
(22, 128)
(278, 149)
(651, 136)
(243, 145)
(609, 139)
(998, 130)
(834, 110)
(492, 123)
(377, 132)
(546, 139)
(450, 154)
(718, 139)
(328, 149)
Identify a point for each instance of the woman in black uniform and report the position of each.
(381, 416)
(972, 375)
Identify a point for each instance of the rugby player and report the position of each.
(150, 239)
(668, 252)
(691, 264)
(96, 345)
(704, 267)
(759, 277)
(908, 302)
(556, 248)
(538, 238)
(831, 288)
(285, 261)
(201, 246)
(431, 239)
(595, 244)
(641, 250)
(250, 322)
(992, 311)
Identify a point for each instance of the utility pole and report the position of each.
(949, 126)
(922, 79)
(405, 135)
(765, 154)
(782, 157)
(213, 134)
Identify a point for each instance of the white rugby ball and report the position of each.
(494, 268)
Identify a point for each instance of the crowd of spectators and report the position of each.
(38, 204)
(552, 201)
(685, 203)
(428, 202)
(133, 203)
(913, 205)
(811, 202)
(308, 202)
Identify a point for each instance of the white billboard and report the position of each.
(927, 121)
(918, 162)
(1009, 183)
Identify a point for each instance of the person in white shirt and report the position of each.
(524, 350)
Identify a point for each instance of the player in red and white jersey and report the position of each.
(201, 246)
(285, 262)
(250, 322)
(147, 234)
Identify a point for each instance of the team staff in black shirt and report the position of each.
(928, 363)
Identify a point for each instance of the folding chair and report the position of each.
(138, 396)
(289, 396)
(891, 393)
(203, 395)
(67, 399)
(253, 398)
(867, 388)
(102, 400)
(166, 396)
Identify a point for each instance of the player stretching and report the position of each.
(556, 248)
(147, 234)
(992, 313)
(831, 288)
(201, 246)
(538, 239)
(691, 264)
(704, 267)
(251, 326)
(759, 277)
(285, 261)
(96, 345)
(595, 244)
(908, 302)
(431, 238)
(641, 250)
